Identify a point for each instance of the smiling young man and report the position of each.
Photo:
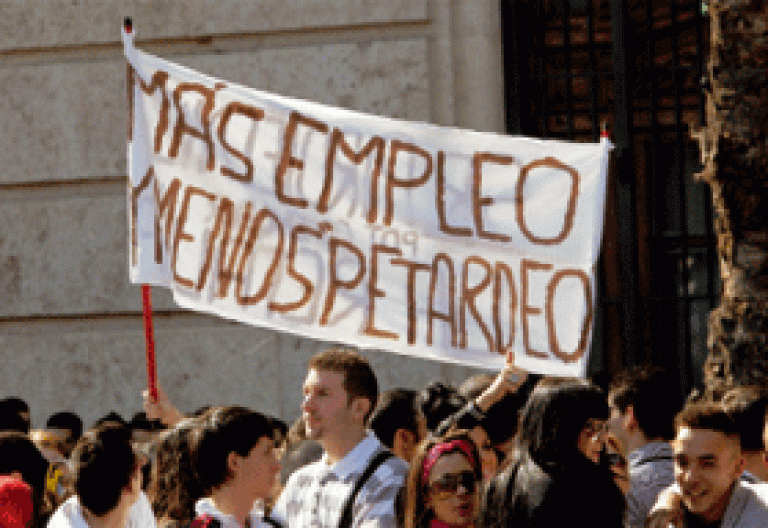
(357, 479)
(708, 463)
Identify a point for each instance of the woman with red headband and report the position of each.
(443, 486)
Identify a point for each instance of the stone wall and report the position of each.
(71, 334)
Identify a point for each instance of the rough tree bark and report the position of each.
(734, 150)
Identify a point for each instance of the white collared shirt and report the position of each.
(205, 506)
(315, 494)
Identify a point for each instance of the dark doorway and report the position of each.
(637, 66)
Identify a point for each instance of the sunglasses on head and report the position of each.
(449, 483)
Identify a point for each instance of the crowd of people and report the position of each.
(507, 450)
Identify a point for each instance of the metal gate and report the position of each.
(571, 65)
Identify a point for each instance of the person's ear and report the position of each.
(741, 464)
(360, 408)
(630, 420)
(233, 462)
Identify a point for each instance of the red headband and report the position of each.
(440, 449)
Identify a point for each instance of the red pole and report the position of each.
(149, 333)
(146, 305)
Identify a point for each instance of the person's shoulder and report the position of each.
(390, 473)
(759, 490)
(748, 505)
(65, 515)
(391, 465)
(396, 465)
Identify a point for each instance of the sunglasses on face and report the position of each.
(450, 482)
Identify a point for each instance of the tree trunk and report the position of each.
(734, 150)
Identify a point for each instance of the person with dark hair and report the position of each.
(14, 415)
(476, 416)
(747, 406)
(143, 433)
(501, 416)
(397, 421)
(173, 488)
(708, 464)
(443, 485)
(643, 402)
(19, 456)
(235, 465)
(357, 479)
(112, 417)
(107, 480)
(554, 477)
(52, 446)
(68, 427)
(439, 402)
(144, 430)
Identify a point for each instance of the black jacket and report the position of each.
(533, 495)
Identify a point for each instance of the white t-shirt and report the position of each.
(141, 515)
(70, 515)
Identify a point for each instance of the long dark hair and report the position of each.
(547, 469)
(416, 514)
(173, 488)
(553, 418)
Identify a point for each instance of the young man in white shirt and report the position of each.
(235, 462)
(107, 481)
(340, 391)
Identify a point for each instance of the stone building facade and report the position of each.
(71, 333)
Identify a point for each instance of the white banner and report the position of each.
(429, 241)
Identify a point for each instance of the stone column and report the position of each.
(478, 65)
(734, 150)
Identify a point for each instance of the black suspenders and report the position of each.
(345, 521)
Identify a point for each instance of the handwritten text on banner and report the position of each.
(424, 240)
